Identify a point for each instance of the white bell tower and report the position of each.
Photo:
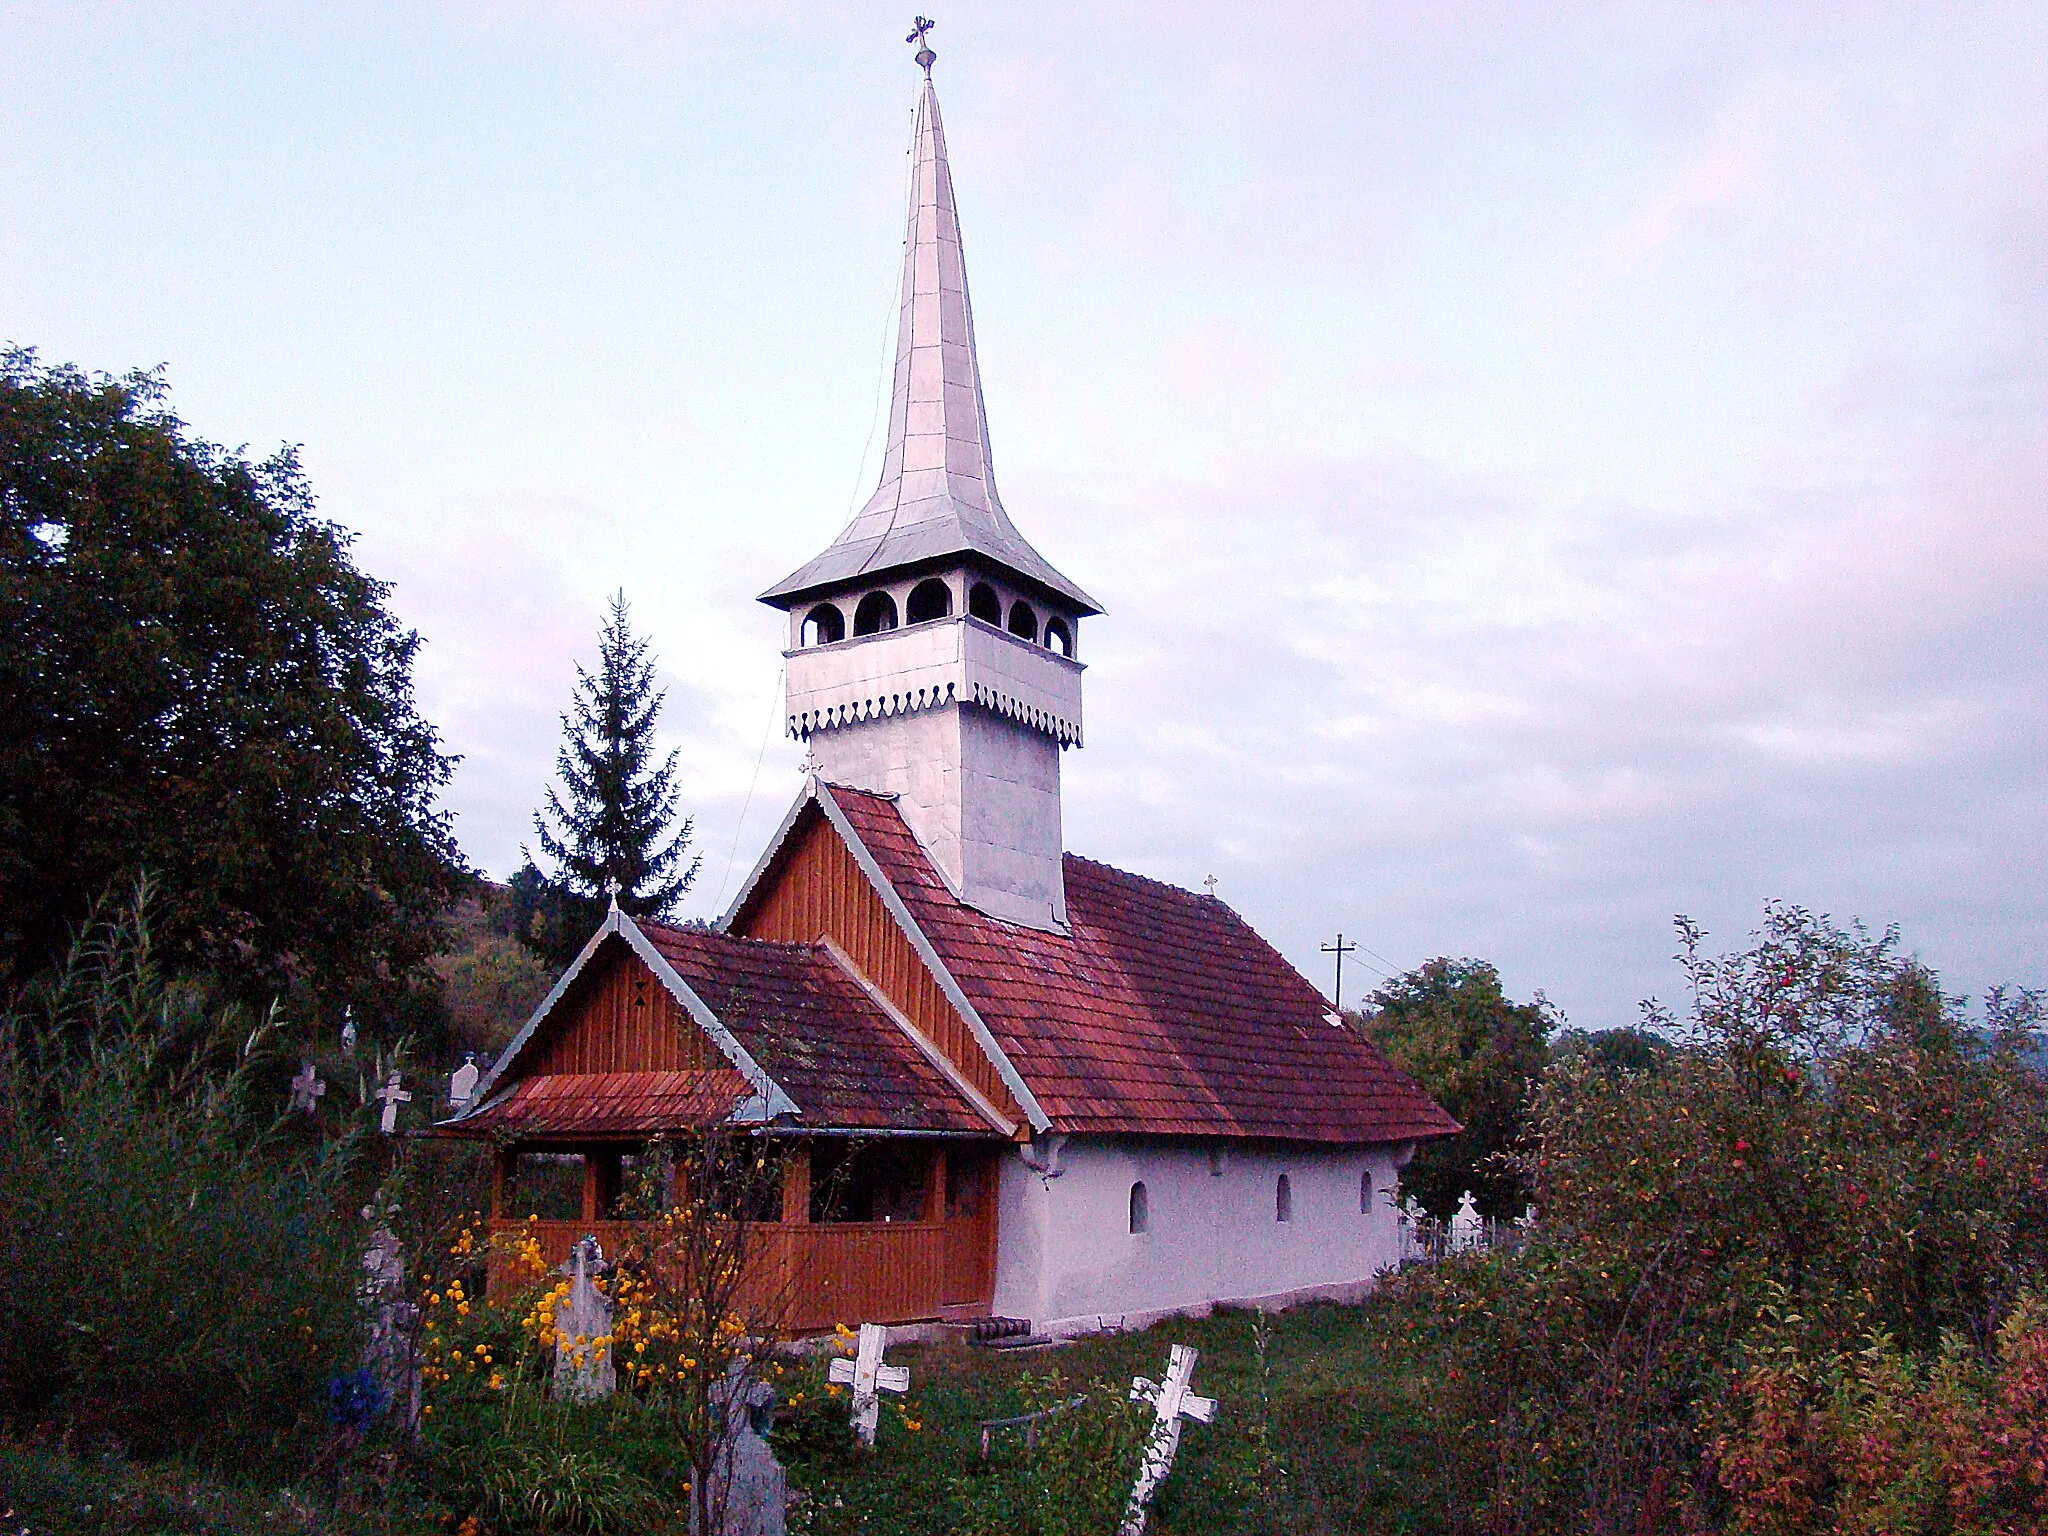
(933, 652)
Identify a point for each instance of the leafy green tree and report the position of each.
(1757, 1264)
(196, 681)
(1448, 1025)
(618, 822)
(1613, 1050)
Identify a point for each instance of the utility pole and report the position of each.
(1340, 949)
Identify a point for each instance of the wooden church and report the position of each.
(1046, 1089)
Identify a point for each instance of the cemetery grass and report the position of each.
(1324, 1434)
(1321, 1430)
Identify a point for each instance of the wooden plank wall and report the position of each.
(809, 1276)
(618, 1017)
(820, 892)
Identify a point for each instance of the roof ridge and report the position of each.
(1164, 885)
(721, 936)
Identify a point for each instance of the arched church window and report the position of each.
(928, 600)
(1283, 1200)
(1365, 1192)
(823, 625)
(983, 604)
(1058, 637)
(1023, 622)
(1141, 1208)
(877, 612)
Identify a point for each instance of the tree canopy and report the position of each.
(1449, 1025)
(618, 820)
(198, 683)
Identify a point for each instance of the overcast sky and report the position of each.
(1547, 468)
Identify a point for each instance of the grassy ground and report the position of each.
(1345, 1439)
(1319, 1432)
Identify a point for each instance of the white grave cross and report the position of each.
(393, 1096)
(867, 1376)
(1171, 1401)
(307, 1088)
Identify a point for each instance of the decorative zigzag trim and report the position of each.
(803, 723)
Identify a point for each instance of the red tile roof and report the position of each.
(817, 1034)
(568, 1104)
(1164, 1013)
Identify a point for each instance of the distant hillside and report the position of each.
(490, 981)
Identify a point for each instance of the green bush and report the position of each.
(1832, 1140)
(174, 1277)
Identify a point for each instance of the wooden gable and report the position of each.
(815, 890)
(618, 1017)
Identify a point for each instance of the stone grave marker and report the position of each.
(389, 1355)
(1467, 1228)
(866, 1374)
(462, 1082)
(583, 1366)
(754, 1486)
(1171, 1401)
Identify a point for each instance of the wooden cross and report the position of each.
(393, 1096)
(1171, 1401)
(868, 1376)
(307, 1088)
(612, 888)
(925, 56)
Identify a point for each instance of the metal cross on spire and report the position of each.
(925, 56)
(612, 889)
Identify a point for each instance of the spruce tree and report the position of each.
(618, 819)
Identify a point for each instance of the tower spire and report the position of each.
(937, 496)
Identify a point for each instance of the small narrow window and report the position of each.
(1215, 1162)
(1141, 1208)
(1058, 637)
(1365, 1192)
(983, 604)
(877, 612)
(1283, 1200)
(928, 600)
(823, 625)
(1023, 622)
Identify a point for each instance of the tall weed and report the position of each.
(175, 1277)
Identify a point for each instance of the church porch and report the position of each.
(859, 1229)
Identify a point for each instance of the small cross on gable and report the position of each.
(392, 1096)
(307, 1089)
(1171, 1400)
(866, 1374)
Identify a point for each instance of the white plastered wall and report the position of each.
(980, 793)
(1067, 1261)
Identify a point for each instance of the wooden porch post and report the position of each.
(935, 1185)
(796, 1184)
(593, 1188)
(504, 1170)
